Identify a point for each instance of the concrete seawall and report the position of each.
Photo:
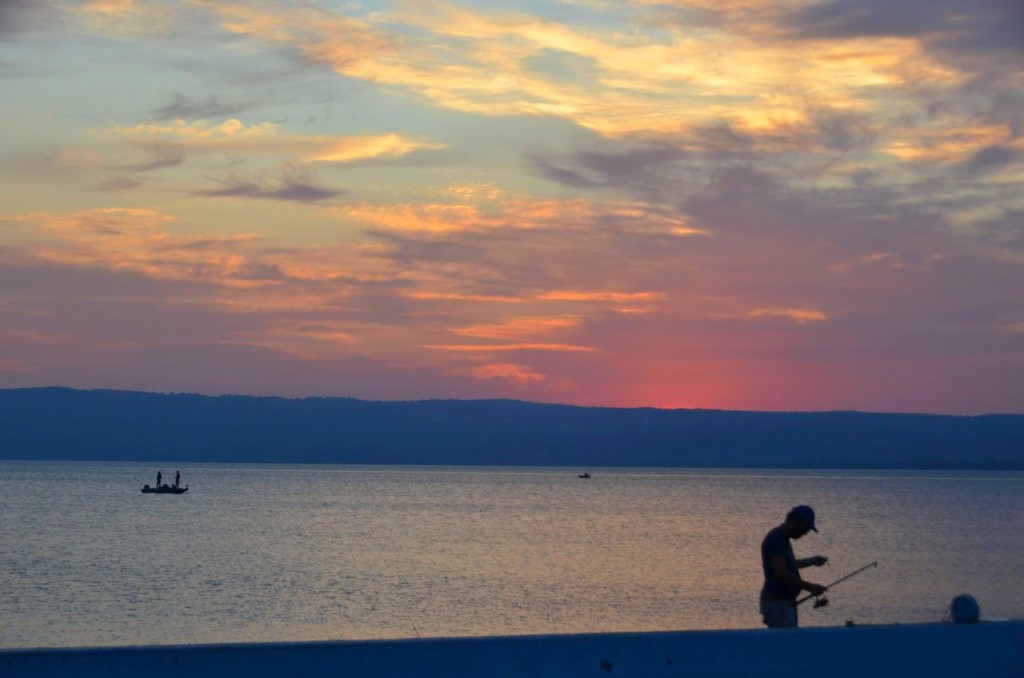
(984, 649)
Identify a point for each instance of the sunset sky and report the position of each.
(742, 204)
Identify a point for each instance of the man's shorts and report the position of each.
(779, 614)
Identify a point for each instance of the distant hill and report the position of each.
(67, 424)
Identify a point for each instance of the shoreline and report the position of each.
(994, 648)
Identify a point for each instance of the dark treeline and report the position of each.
(67, 424)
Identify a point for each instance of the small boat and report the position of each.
(583, 475)
(164, 489)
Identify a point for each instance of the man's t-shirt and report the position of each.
(776, 543)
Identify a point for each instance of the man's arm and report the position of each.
(790, 580)
(817, 561)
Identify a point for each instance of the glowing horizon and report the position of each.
(742, 204)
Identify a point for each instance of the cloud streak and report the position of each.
(235, 137)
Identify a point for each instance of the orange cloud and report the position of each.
(198, 130)
(948, 140)
(661, 80)
(521, 328)
(616, 297)
(129, 19)
(455, 296)
(656, 82)
(314, 342)
(798, 315)
(133, 239)
(434, 218)
(884, 259)
(510, 372)
(508, 212)
(109, 6)
(481, 348)
(102, 221)
(265, 138)
(487, 208)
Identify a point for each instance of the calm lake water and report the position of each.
(280, 553)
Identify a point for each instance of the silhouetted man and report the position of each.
(782, 582)
(159, 477)
(177, 478)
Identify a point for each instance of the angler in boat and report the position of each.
(164, 488)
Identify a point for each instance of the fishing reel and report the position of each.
(820, 601)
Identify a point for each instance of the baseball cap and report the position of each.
(806, 514)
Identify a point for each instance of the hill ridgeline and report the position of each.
(68, 424)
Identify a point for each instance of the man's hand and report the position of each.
(818, 561)
(814, 589)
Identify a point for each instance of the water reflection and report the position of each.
(257, 553)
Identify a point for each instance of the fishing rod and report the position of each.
(823, 602)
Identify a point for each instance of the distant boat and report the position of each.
(583, 475)
(164, 489)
